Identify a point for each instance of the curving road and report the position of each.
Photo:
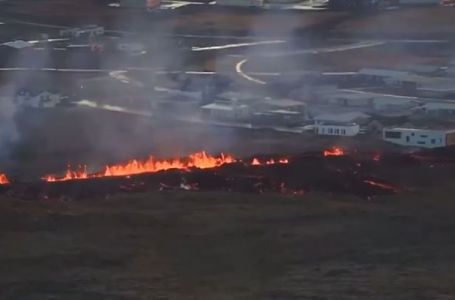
(240, 65)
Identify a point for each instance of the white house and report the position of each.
(424, 138)
(339, 124)
(43, 99)
(337, 129)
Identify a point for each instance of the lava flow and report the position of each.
(335, 151)
(199, 160)
(382, 185)
(257, 162)
(3, 179)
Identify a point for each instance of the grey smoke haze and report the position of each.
(8, 130)
(11, 83)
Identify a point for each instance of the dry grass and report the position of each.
(228, 246)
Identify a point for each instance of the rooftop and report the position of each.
(439, 105)
(348, 117)
(431, 129)
(284, 112)
(237, 96)
(283, 102)
(222, 106)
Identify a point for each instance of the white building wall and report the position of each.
(415, 137)
(337, 130)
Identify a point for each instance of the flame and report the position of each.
(377, 157)
(382, 185)
(257, 162)
(199, 160)
(3, 179)
(335, 151)
(80, 173)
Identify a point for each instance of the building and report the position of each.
(340, 118)
(40, 99)
(148, 4)
(442, 89)
(110, 88)
(247, 3)
(419, 2)
(394, 103)
(337, 129)
(174, 106)
(424, 138)
(133, 48)
(85, 31)
(340, 124)
(226, 111)
(439, 109)
(351, 99)
(269, 104)
(384, 76)
(428, 86)
(279, 112)
(450, 71)
(278, 117)
(365, 101)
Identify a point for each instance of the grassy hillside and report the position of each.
(229, 246)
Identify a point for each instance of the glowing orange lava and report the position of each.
(377, 157)
(199, 160)
(3, 179)
(272, 161)
(335, 151)
(255, 162)
(382, 185)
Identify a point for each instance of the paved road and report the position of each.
(239, 67)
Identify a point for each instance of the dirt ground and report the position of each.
(229, 246)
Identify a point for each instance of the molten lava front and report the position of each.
(199, 160)
(294, 175)
(3, 179)
(335, 151)
(382, 185)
